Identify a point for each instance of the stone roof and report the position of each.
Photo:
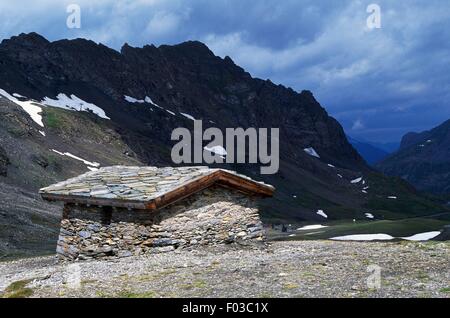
(147, 187)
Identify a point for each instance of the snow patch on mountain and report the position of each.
(150, 101)
(188, 116)
(321, 213)
(311, 227)
(422, 236)
(29, 106)
(385, 237)
(312, 152)
(218, 150)
(133, 100)
(73, 103)
(68, 154)
(363, 237)
(357, 180)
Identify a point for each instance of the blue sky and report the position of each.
(378, 83)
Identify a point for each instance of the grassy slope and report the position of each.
(342, 200)
(409, 203)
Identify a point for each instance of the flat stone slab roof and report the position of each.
(141, 187)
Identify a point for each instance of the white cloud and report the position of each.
(358, 125)
(416, 87)
(256, 59)
(163, 23)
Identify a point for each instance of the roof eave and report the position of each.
(129, 204)
(247, 185)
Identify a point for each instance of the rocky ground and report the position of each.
(284, 269)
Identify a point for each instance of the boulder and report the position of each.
(445, 234)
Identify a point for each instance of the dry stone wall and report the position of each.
(213, 216)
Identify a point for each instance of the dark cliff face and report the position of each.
(423, 159)
(185, 78)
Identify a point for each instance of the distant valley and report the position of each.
(373, 152)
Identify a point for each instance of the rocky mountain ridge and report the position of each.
(186, 78)
(423, 160)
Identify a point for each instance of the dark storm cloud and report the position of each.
(378, 83)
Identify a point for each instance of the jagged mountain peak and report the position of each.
(194, 46)
(127, 48)
(31, 39)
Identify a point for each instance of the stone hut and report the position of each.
(122, 211)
